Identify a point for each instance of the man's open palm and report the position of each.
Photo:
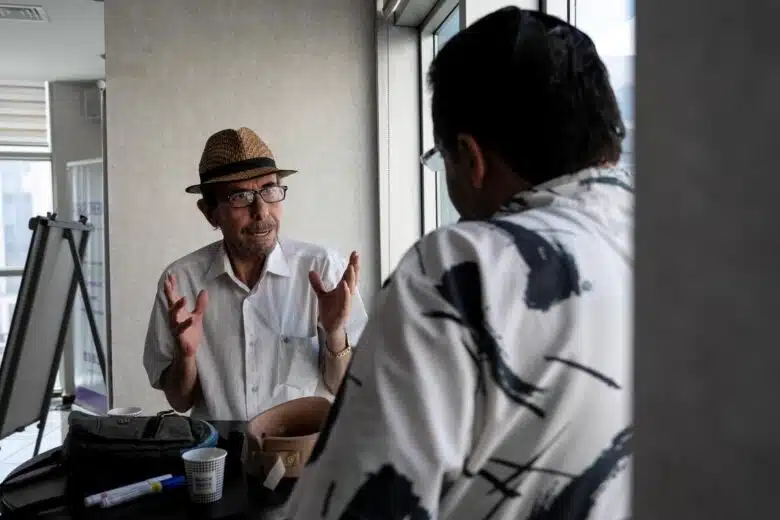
(186, 326)
(334, 305)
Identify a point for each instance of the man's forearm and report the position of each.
(180, 383)
(335, 365)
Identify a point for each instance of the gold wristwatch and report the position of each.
(323, 336)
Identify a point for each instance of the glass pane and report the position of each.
(445, 211)
(9, 289)
(448, 28)
(26, 189)
(611, 25)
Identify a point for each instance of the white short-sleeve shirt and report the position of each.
(494, 378)
(260, 345)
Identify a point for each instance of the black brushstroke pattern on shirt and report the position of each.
(590, 371)
(385, 495)
(506, 486)
(528, 466)
(553, 275)
(461, 286)
(610, 181)
(387, 282)
(328, 497)
(577, 498)
(354, 379)
(420, 262)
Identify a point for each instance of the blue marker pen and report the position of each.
(153, 487)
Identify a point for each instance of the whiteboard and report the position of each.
(37, 332)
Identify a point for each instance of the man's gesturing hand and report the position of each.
(186, 326)
(334, 305)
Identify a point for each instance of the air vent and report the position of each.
(27, 13)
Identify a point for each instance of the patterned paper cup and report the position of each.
(205, 472)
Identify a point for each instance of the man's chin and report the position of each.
(261, 244)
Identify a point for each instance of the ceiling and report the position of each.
(66, 47)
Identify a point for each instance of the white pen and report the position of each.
(149, 488)
(95, 499)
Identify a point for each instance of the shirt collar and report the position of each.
(276, 263)
(570, 188)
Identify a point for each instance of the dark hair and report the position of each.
(209, 193)
(530, 88)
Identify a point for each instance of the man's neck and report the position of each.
(499, 192)
(248, 270)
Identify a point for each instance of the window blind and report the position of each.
(23, 114)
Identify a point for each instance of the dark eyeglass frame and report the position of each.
(265, 194)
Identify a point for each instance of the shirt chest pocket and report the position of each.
(297, 368)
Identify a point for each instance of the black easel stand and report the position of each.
(35, 259)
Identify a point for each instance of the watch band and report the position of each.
(323, 337)
(340, 354)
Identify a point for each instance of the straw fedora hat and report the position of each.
(235, 155)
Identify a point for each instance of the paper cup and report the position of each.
(205, 472)
(130, 411)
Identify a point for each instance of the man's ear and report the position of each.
(208, 212)
(473, 158)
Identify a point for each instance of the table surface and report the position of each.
(237, 501)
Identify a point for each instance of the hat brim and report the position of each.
(241, 176)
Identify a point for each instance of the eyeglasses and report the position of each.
(245, 198)
(433, 160)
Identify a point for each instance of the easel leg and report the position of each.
(41, 428)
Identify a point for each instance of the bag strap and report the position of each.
(153, 424)
(46, 468)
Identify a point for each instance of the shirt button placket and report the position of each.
(251, 374)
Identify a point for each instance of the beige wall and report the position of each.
(299, 72)
(74, 136)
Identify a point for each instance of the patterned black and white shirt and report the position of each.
(494, 375)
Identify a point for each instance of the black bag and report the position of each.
(105, 452)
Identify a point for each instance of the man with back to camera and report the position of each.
(495, 380)
(273, 319)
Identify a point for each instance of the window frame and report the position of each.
(429, 180)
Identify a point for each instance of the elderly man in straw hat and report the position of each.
(273, 319)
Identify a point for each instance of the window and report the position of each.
(441, 24)
(26, 189)
(445, 211)
(611, 25)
